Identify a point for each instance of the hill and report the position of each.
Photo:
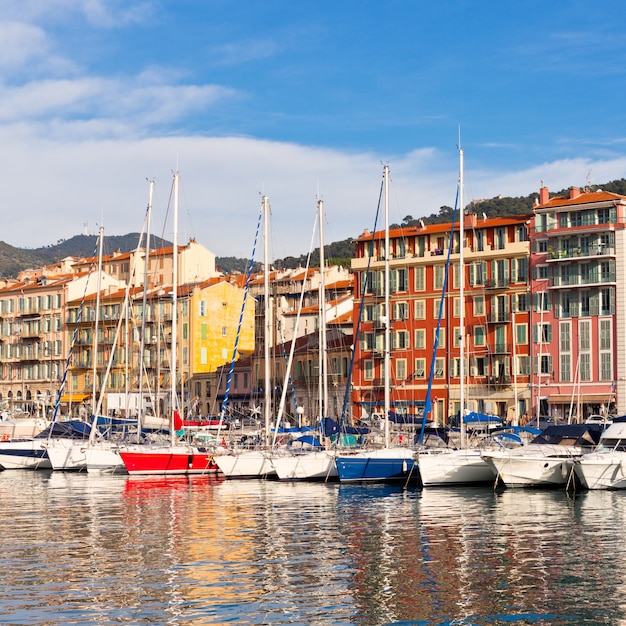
(13, 260)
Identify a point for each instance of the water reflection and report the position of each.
(90, 549)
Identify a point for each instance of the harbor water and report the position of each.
(85, 549)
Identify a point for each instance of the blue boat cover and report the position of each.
(331, 427)
(398, 418)
(473, 417)
(74, 429)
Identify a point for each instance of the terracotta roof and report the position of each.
(584, 198)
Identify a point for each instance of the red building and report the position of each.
(496, 311)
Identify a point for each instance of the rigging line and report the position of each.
(75, 333)
(281, 405)
(112, 355)
(427, 402)
(361, 307)
(285, 356)
(240, 323)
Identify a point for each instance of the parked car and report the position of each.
(598, 419)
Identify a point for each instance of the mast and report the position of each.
(267, 321)
(143, 317)
(323, 355)
(461, 303)
(174, 355)
(387, 355)
(94, 385)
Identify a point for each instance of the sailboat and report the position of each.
(256, 463)
(463, 465)
(176, 456)
(313, 464)
(386, 464)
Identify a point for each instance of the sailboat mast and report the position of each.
(174, 355)
(96, 326)
(461, 303)
(387, 355)
(267, 321)
(142, 344)
(323, 356)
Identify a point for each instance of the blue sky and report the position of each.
(295, 99)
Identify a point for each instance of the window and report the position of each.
(419, 309)
(400, 311)
(368, 371)
(439, 368)
(585, 366)
(400, 369)
(479, 335)
(606, 357)
(420, 368)
(521, 334)
(584, 335)
(441, 336)
(401, 340)
(439, 273)
(420, 281)
(420, 339)
(399, 280)
(457, 337)
(479, 305)
(542, 302)
(544, 364)
(565, 336)
(500, 235)
(542, 333)
(202, 308)
(436, 307)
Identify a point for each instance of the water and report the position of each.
(85, 549)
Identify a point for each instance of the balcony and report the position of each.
(501, 348)
(498, 283)
(585, 252)
(499, 382)
(499, 317)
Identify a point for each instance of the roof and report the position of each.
(586, 197)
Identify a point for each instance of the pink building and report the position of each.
(578, 274)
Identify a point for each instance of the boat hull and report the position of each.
(385, 465)
(453, 467)
(24, 454)
(67, 455)
(602, 470)
(314, 465)
(172, 460)
(541, 465)
(246, 464)
(104, 460)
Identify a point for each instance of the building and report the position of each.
(578, 266)
(496, 318)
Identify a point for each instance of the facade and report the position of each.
(48, 340)
(578, 265)
(34, 337)
(287, 289)
(496, 319)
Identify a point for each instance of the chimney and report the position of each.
(574, 192)
(544, 194)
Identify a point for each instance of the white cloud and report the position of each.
(51, 188)
(103, 13)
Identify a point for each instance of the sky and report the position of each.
(296, 100)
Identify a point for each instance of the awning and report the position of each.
(66, 398)
(587, 397)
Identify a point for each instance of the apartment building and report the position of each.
(496, 311)
(578, 264)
